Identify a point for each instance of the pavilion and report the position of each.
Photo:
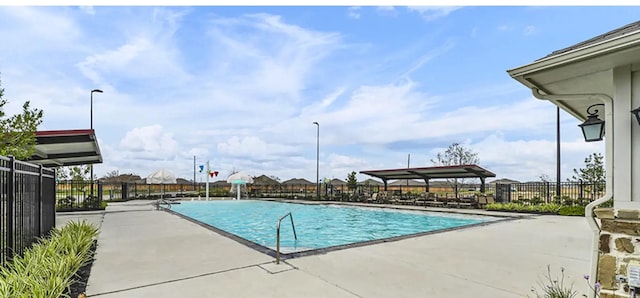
(428, 173)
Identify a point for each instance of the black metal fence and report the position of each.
(547, 192)
(27, 205)
(76, 195)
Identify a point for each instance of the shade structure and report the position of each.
(162, 177)
(239, 179)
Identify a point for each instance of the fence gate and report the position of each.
(503, 193)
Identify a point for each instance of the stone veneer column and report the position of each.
(619, 244)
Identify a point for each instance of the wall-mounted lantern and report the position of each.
(593, 127)
(636, 112)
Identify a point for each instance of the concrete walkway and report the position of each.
(147, 253)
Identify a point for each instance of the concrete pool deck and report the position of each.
(143, 252)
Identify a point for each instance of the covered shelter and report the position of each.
(428, 173)
(56, 148)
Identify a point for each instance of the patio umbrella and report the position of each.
(239, 179)
(162, 177)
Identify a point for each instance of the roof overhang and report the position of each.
(584, 70)
(442, 172)
(55, 148)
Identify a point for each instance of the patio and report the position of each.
(146, 253)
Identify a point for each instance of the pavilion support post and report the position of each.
(482, 184)
(385, 184)
(426, 182)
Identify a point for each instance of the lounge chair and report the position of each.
(468, 202)
(490, 199)
(373, 198)
(482, 201)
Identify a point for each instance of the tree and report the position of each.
(19, 131)
(545, 178)
(74, 173)
(352, 181)
(456, 154)
(276, 178)
(592, 174)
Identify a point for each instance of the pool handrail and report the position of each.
(278, 234)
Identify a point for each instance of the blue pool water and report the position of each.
(317, 226)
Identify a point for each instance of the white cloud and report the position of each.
(387, 11)
(243, 91)
(529, 30)
(354, 12)
(39, 34)
(504, 28)
(149, 143)
(474, 32)
(275, 62)
(338, 166)
(432, 13)
(88, 10)
(528, 159)
(254, 148)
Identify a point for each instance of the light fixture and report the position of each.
(636, 112)
(593, 127)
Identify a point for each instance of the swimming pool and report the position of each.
(317, 226)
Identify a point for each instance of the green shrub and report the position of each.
(47, 268)
(536, 201)
(549, 208)
(571, 210)
(66, 202)
(607, 204)
(516, 207)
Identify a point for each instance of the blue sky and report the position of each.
(242, 86)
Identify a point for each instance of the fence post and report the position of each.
(99, 195)
(40, 194)
(55, 201)
(11, 180)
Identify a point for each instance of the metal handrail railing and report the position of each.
(278, 235)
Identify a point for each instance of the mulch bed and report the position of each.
(79, 286)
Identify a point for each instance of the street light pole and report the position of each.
(317, 161)
(91, 126)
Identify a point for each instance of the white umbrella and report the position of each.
(239, 179)
(163, 177)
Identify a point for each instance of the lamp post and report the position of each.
(317, 161)
(91, 126)
(558, 189)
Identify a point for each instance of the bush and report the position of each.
(536, 201)
(571, 210)
(48, 267)
(66, 202)
(91, 202)
(516, 207)
(550, 208)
